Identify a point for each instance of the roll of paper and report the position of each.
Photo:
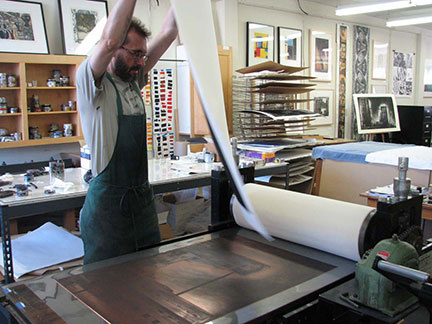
(325, 224)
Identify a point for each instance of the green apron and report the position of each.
(119, 215)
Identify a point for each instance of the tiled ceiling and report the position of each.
(415, 11)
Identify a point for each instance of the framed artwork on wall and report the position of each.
(289, 46)
(403, 74)
(322, 102)
(379, 60)
(427, 78)
(260, 43)
(379, 88)
(23, 28)
(321, 55)
(376, 113)
(82, 23)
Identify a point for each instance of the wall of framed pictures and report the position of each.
(286, 20)
(324, 61)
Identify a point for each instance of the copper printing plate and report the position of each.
(194, 284)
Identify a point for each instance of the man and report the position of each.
(118, 215)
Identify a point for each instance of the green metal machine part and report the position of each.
(375, 290)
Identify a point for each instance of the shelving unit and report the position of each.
(33, 67)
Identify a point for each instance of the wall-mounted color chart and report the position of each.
(163, 101)
(146, 94)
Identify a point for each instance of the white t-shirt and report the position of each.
(98, 112)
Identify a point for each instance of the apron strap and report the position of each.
(135, 87)
(118, 99)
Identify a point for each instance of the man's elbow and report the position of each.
(110, 45)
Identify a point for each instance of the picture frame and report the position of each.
(322, 102)
(289, 46)
(260, 43)
(82, 22)
(376, 113)
(321, 55)
(24, 28)
(379, 89)
(379, 60)
(427, 79)
(403, 69)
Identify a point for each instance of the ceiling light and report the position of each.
(409, 21)
(372, 7)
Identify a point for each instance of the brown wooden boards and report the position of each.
(194, 284)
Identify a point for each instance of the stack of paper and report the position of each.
(46, 246)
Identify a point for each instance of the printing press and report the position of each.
(233, 275)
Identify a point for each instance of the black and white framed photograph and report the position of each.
(376, 113)
(289, 46)
(379, 60)
(322, 102)
(260, 43)
(82, 24)
(403, 74)
(22, 27)
(321, 55)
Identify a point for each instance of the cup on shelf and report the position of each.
(67, 130)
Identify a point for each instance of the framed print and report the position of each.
(82, 23)
(322, 102)
(376, 113)
(321, 55)
(403, 74)
(260, 43)
(22, 27)
(289, 46)
(378, 88)
(428, 78)
(379, 60)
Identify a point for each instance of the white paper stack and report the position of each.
(46, 246)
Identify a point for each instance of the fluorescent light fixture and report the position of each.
(372, 7)
(409, 21)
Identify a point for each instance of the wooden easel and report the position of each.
(370, 137)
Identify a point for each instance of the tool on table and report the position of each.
(56, 171)
(5, 183)
(6, 193)
(21, 190)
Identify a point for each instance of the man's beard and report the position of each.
(123, 71)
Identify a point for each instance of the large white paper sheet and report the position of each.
(420, 157)
(325, 224)
(194, 20)
(46, 246)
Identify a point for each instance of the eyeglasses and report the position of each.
(138, 55)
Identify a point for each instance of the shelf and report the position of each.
(9, 88)
(9, 115)
(51, 112)
(51, 88)
(34, 67)
(43, 141)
